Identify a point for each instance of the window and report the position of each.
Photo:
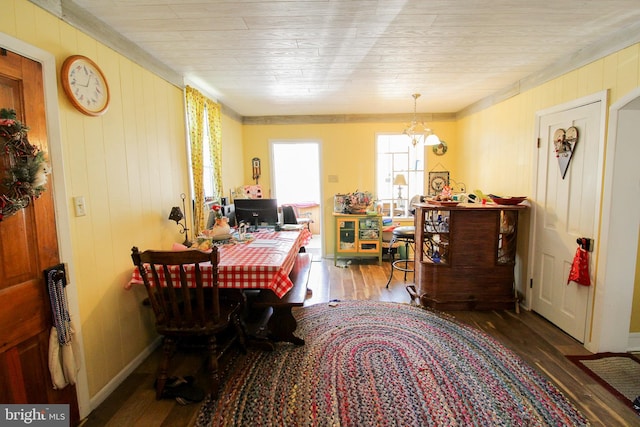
(398, 161)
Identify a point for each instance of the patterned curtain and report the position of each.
(215, 133)
(197, 105)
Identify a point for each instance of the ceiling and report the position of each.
(325, 57)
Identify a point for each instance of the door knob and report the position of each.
(585, 243)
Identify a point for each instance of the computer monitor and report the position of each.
(256, 212)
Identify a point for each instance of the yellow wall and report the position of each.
(346, 151)
(502, 137)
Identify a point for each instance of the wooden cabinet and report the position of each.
(467, 256)
(358, 236)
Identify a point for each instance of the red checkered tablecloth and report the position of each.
(262, 263)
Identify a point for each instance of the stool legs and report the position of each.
(395, 264)
(406, 264)
(393, 258)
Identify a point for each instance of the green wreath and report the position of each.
(26, 171)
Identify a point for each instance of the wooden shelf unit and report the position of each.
(357, 236)
(467, 256)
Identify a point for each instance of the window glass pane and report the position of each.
(395, 157)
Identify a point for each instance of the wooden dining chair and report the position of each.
(186, 306)
(291, 215)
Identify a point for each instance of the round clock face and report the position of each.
(85, 85)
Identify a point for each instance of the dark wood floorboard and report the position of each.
(535, 340)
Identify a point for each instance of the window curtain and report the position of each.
(197, 106)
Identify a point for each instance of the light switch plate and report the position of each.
(80, 208)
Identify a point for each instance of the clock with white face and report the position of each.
(85, 85)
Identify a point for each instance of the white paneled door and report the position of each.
(565, 210)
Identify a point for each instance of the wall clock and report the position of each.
(85, 85)
(437, 181)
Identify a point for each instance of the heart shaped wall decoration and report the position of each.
(565, 143)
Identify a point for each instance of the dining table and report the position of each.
(261, 260)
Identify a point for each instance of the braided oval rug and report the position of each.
(369, 363)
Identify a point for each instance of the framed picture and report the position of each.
(437, 181)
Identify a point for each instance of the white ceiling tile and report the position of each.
(363, 56)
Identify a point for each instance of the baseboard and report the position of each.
(634, 341)
(112, 385)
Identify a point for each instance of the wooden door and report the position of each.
(565, 211)
(28, 245)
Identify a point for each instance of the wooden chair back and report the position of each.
(289, 215)
(179, 308)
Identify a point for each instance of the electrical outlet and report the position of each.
(80, 208)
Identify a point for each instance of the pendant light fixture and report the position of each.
(418, 131)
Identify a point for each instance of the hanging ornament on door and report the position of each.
(26, 167)
(580, 267)
(565, 143)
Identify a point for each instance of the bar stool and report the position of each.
(404, 234)
(387, 247)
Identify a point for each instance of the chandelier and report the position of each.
(418, 131)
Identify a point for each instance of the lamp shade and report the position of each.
(176, 214)
(399, 180)
(432, 140)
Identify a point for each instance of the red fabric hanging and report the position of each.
(580, 268)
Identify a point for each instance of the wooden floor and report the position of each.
(538, 342)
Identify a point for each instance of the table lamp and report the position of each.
(177, 216)
(399, 180)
